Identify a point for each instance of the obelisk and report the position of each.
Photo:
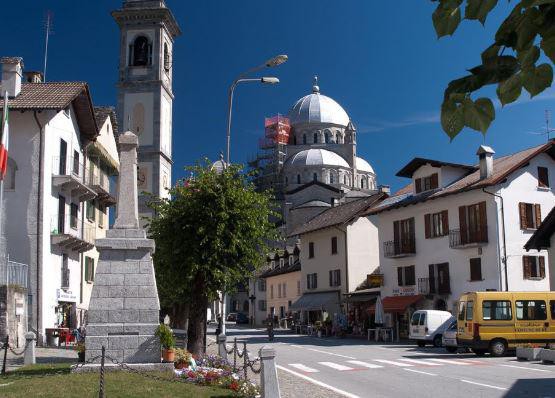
(124, 307)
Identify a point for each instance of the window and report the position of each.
(331, 178)
(415, 319)
(281, 262)
(76, 163)
(334, 245)
(345, 180)
(436, 224)
(91, 210)
(552, 305)
(140, 52)
(426, 183)
(531, 310)
(304, 139)
(496, 310)
(10, 177)
(273, 264)
(310, 249)
(291, 260)
(403, 236)
(439, 281)
(473, 223)
(314, 177)
(284, 289)
(166, 58)
(298, 288)
(62, 168)
(530, 215)
(362, 183)
(286, 180)
(279, 290)
(262, 285)
(315, 138)
(335, 277)
(271, 291)
(73, 218)
(462, 307)
(261, 305)
(327, 137)
(469, 310)
(312, 281)
(543, 177)
(89, 269)
(101, 215)
(298, 178)
(476, 269)
(406, 276)
(533, 267)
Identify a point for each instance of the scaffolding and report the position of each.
(272, 152)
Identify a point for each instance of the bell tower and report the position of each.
(145, 96)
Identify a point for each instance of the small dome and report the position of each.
(318, 108)
(363, 165)
(317, 157)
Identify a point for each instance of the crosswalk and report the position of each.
(405, 362)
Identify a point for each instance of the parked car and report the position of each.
(241, 318)
(427, 326)
(449, 338)
(231, 317)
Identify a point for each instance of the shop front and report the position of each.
(66, 319)
(358, 316)
(398, 311)
(315, 308)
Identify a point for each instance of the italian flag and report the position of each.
(4, 141)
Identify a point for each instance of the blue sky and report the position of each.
(380, 60)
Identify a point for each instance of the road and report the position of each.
(354, 368)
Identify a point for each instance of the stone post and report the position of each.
(127, 209)
(268, 378)
(29, 356)
(222, 351)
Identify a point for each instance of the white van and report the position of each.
(427, 326)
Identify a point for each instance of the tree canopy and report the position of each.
(512, 61)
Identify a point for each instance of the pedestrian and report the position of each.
(219, 327)
(270, 328)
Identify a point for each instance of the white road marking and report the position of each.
(393, 362)
(322, 352)
(365, 364)
(318, 383)
(449, 361)
(419, 362)
(419, 371)
(303, 368)
(527, 368)
(483, 385)
(335, 366)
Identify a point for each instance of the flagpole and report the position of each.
(5, 138)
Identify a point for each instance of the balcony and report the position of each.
(71, 178)
(69, 234)
(458, 240)
(100, 183)
(429, 286)
(16, 274)
(398, 249)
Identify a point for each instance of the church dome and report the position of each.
(316, 157)
(318, 108)
(363, 165)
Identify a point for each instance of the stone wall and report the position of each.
(13, 314)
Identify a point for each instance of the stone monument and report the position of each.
(124, 308)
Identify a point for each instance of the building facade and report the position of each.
(145, 95)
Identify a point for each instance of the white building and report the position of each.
(52, 128)
(544, 239)
(458, 228)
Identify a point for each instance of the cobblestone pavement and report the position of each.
(43, 355)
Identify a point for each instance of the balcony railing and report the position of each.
(99, 181)
(70, 233)
(467, 238)
(433, 285)
(71, 177)
(396, 249)
(16, 274)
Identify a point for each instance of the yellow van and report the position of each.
(501, 321)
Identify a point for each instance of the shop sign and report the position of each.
(374, 280)
(405, 291)
(66, 296)
(19, 307)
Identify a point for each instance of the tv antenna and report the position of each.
(548, 130)
(48, 31)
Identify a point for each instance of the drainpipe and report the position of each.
(39, 227)
(504, 258)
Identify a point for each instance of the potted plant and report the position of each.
(80, 348)
(183, 358)
(165, 334)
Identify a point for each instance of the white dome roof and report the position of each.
(363, 165)
(317, 108)
(316, 157)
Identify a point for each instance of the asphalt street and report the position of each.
(356, 368)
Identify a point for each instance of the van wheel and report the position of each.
(437, 341)
(421, 343)
(451, 349)
(498, 348)
(478, 352)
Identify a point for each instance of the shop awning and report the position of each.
(398, 303)
(316, 301)
(362, 295)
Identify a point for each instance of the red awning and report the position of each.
(397, 303)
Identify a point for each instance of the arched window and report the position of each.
(362, 183)
(286, 180)
(345, 179)
(166, 58)
(294, 140)
(304, 139)
(298, 178)
(141, 52)
(138, 119)
(326, 137)
(315, 177)
(315, 138)
(10, 174)
(331, 178)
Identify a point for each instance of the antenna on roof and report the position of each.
(548, 130)
(48, 31)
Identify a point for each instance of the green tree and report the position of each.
(510, 62)
(210, 236)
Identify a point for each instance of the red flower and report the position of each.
(234, 386)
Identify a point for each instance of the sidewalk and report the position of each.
(43, 355)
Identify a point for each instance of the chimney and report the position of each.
(384, 189)
(485, 156)
(12, 68)
(33, 77)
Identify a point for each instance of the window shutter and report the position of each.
(526, 267)
(435, 181)
(331, 278)
(445, 222)
(411, 235)
(396, 236)
(315, 281)
(399, 276)
(431, 278)
(308, 286)
(87, 269)
(418, 185)
(338, 274)
(483, 222)
(522, 214)
(462, 224)
(538, 211)
(427, 229)
(541, 260)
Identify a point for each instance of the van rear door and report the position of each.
(462, 329)
(418, 325)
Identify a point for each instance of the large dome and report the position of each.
(317, 108)
(316, 157)
(363, 165)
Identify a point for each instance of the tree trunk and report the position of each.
(180, 314)
(197, 317)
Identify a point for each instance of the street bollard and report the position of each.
(268, 378)
(222, 352)
(30, 341)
